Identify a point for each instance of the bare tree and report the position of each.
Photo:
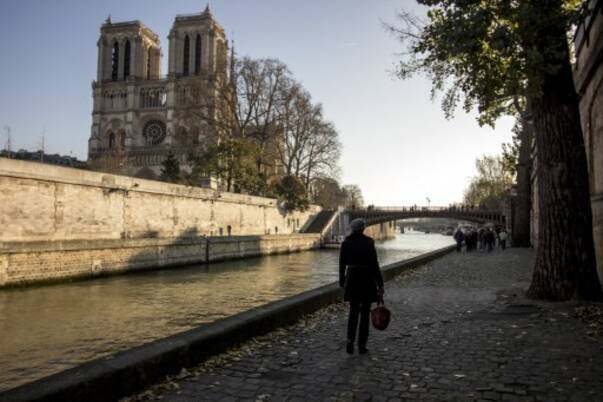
(266, 115)
(309, 146)
(353, 194)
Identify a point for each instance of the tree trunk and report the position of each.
(523, 204)
(565, 260)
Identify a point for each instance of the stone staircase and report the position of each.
(321, 222)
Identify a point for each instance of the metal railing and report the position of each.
(415, 208)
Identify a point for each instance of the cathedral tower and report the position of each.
(136, 117)
(197, 45)
(128, 50)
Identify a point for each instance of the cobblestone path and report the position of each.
(461, 330)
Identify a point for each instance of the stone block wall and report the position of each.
(43, 262)
(589, 84)
(381, 231)
(60, 223)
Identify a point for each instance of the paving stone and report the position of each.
(460, 330)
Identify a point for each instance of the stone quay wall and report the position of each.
(588, 74)
(381, 231)
(62, 223)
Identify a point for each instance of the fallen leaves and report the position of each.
(592, 316)
(305, 326)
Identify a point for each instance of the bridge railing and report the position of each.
(409, 208)
(414, 208)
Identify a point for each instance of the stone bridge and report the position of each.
(333, 225)
(376, 215)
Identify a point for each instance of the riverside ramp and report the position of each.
(129, 371)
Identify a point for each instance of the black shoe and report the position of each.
(349, 347)
(362, 350)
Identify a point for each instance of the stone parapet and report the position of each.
(50, 203)
(62, 223)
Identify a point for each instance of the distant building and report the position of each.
(139, 115)
(39, 156)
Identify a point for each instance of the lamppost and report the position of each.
(428, 202)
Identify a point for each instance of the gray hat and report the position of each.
(358, 225)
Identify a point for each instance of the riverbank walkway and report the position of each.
(461, 330)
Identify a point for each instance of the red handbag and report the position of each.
(380, 316)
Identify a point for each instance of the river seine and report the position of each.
(44, 330)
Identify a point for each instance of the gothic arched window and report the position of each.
(187, 55)
(115, 62)
(111, 140)
(149, 62)
(127, 59)
(122, 139)
(198, 54)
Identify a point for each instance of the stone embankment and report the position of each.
(59, 223)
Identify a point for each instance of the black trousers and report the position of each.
(362, 309)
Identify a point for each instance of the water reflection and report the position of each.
(48, 329)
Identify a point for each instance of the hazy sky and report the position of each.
(397, 144)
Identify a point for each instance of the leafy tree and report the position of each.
(231, 161)
(493, 55)
(510, 151)
(292, 192)
(490, 187)
(170, 169)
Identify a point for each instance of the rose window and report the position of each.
(154, 132)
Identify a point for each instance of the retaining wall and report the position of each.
(588, 74)
(58, 222)
(45, 262)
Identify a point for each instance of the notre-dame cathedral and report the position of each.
(136, 115)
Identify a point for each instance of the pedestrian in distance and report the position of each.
(360, 277)
(502, 238)
(473, 239)
(480, 239)
(459, 237)
(490, 239)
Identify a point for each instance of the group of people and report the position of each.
(480, 239)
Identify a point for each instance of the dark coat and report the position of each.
(359, 272)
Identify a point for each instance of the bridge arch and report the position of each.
(377, 216)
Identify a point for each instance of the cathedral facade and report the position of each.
(139, 116)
